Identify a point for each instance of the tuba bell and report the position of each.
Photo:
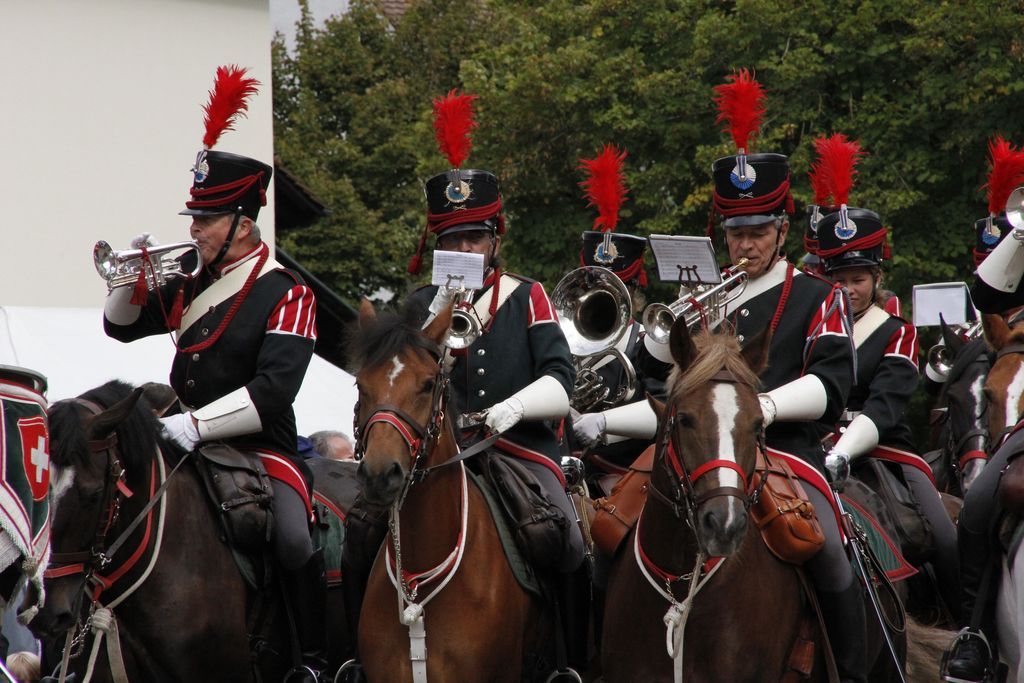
(157, 264)
(594, 310)
(1015, 209)
(700, 304)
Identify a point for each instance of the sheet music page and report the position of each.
(693, 257)
(452, 268)
(951, 299)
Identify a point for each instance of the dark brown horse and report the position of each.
(747, 610)
(170, 598)
(476, 620)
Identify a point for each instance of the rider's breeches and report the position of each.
(944, 558)
(293, 545)
(980, 501)
(573, 553)
(830, 569)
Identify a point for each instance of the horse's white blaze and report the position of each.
(1013, 394)
(726, 405)
(396, 369)
(60, 483)
(978, 392)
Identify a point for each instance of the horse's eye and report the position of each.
(685, 420)
(987, 393)
(427, 387)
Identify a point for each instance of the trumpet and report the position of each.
(1015, 212)
(940, 358)
(696, 304)
(594, 310)
(466, 325)
(120, 268)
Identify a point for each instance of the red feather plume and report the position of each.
(228, 100)
(1006, 173)
(836, 165)
(741, 105)
(605, 186)
(453, 121)
(819, 183)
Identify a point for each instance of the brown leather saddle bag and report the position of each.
(617, 513)
(783, 512)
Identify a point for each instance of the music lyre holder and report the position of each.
(689, 276)
(460, 279)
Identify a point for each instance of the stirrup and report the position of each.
(962, 636)
(567, 676)
(301, 674)
(350, 672)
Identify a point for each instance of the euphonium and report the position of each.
(940, 358)
(594, 310)
(696, 305)
(120, 268)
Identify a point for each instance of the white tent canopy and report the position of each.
(68, 346)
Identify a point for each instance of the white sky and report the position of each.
(285, 13)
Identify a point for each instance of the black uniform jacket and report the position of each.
(521, 343)
(811, 338)
(651, 375)
(887, 377)
(265, 348)
(991, 300)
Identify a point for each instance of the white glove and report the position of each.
(442, 300)
(182, 430)
(837, 464)
(143, 240)
(589, 429)
(768, 409)
(503, 416)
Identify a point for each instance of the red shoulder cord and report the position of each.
(235, 305)
(786, 287)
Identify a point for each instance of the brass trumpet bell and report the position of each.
(158, 264)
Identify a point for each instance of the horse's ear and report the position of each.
(680, 343)
(997, 332)
(755, 353)
(437, 330)
(367, 314)
(953, 341)
(657, 406)
(100, 425)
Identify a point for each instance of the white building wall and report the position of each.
(100, 121)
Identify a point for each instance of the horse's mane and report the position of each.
(135, 435)
(390, 333)
(714, 352)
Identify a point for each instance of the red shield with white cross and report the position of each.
(35, 451)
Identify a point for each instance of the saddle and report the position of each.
(912, 530)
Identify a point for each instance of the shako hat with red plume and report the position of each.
(848, 236)
(821, 204)
(605, 189)
(750, 189)
(1005, 174)
(460, 198)
(224, 182)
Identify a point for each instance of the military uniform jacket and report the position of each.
(812, 337)
(651, 375)
(265, 348)
(887, 376)
(521, 343)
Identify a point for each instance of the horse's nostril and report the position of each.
(395, 470)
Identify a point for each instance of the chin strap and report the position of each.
(227, 242)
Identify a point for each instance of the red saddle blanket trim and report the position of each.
(525, 453)
(903, 458)
(283, 470)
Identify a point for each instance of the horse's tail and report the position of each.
(925, 645)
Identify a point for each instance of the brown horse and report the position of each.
(477, 621)
(170, 598)
(746, 612)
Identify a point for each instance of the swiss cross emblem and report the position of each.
(35, 451)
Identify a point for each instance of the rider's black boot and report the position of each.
(970, 658)
(846, 622)
(574, 603)
(306, 589)
(365, 529)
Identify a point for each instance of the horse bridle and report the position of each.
(668, 453)
(978, 435)
(419, 438)
(115, 491)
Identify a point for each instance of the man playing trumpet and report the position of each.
(245, 329)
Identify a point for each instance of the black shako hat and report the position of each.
(858, 239)
(626, 259)
(466, 193)
(752, 189)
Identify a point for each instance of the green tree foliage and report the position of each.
(922, 84)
